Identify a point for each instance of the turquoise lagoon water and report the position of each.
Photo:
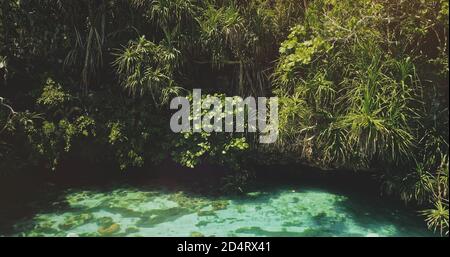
(289, 212)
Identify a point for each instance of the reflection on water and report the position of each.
(138, 212)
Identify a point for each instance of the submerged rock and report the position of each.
(189, 202)
(105, 221)
(75, 221)
(196, 234)
(45, 227)
(220, 205)
(312, 232)
(321, 217)
(108, 231)
(89, 234)
(124, 212)
(206, 213)
(153, 217)
(127, 201)
(131, 230)
(202, 223)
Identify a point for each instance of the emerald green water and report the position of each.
(289, 212)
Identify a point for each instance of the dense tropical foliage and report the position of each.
(363, 85)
